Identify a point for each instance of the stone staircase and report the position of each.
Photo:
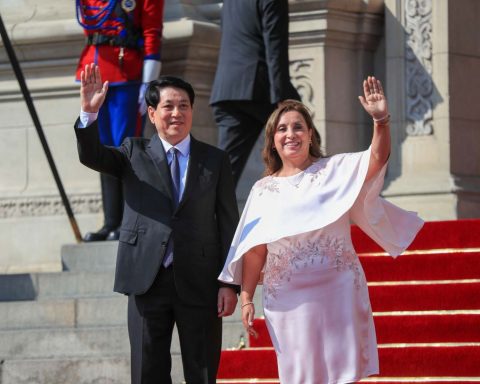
(70, 327)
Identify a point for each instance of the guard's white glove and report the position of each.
(142, 103)
(151, 71)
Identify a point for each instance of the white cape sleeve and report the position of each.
(388, 225)
(232, 270)
(329, 188)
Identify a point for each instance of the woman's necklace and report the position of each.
(296, 179)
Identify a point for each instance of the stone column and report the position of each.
(432, 69)
(464, 91)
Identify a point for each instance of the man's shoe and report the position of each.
(100, 235)
(113, 235)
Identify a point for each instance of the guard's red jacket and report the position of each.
(147, 17)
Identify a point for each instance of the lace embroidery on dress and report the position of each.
(298, 255)
(268, 183)
(272, 184)
(316, 170)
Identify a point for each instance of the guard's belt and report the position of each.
(116, 41)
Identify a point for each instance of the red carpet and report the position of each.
(412, 328)
(426, 307)
(423, 297)
(434, 235)
(441, 266)
(404, 362)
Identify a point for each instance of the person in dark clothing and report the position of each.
(179, 217)
(252, 74)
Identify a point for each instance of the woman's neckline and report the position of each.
(295, 174)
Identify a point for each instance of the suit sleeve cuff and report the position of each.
(236, 288)
(86, 118)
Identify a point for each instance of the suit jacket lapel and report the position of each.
(195, 163)
(156, 151)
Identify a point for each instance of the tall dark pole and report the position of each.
(36, 122)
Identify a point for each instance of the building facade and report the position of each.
(425, 52)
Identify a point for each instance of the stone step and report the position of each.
(113, 369)
(56, 285)
(48, 343)
(75, 284)
(63, 342)
(94, 256)
(81, 312)
(78, 312)
(35, 314)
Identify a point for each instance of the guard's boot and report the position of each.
(112, 199)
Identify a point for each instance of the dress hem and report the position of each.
(357, 378)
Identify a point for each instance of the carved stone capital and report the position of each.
(301, 77)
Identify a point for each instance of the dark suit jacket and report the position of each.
(253, 61)
(202, 225)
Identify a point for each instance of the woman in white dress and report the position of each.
(295, 229)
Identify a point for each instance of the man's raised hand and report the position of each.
(92, 91)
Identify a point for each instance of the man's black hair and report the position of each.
(152, 94)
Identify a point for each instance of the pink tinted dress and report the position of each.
(315, 295)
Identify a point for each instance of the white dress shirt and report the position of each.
(183, 156)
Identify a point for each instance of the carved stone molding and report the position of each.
(48, 206)
(300, 74)
(418, 53)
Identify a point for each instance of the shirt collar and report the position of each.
(183, 146)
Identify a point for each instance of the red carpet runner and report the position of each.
(426, 307)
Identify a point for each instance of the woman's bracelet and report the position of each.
(383, 121)
(248, 303)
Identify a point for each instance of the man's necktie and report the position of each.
(175, 173)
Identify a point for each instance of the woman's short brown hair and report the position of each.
(270, 156)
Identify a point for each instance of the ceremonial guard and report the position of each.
(123, 37)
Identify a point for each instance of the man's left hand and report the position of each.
(227, 301)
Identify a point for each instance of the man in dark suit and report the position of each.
(179, 218)
(252, 74)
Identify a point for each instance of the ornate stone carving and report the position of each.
(48, 206)
(418, 51)
(300, 74)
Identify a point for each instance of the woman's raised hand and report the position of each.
(374, 100)
(92, 91)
